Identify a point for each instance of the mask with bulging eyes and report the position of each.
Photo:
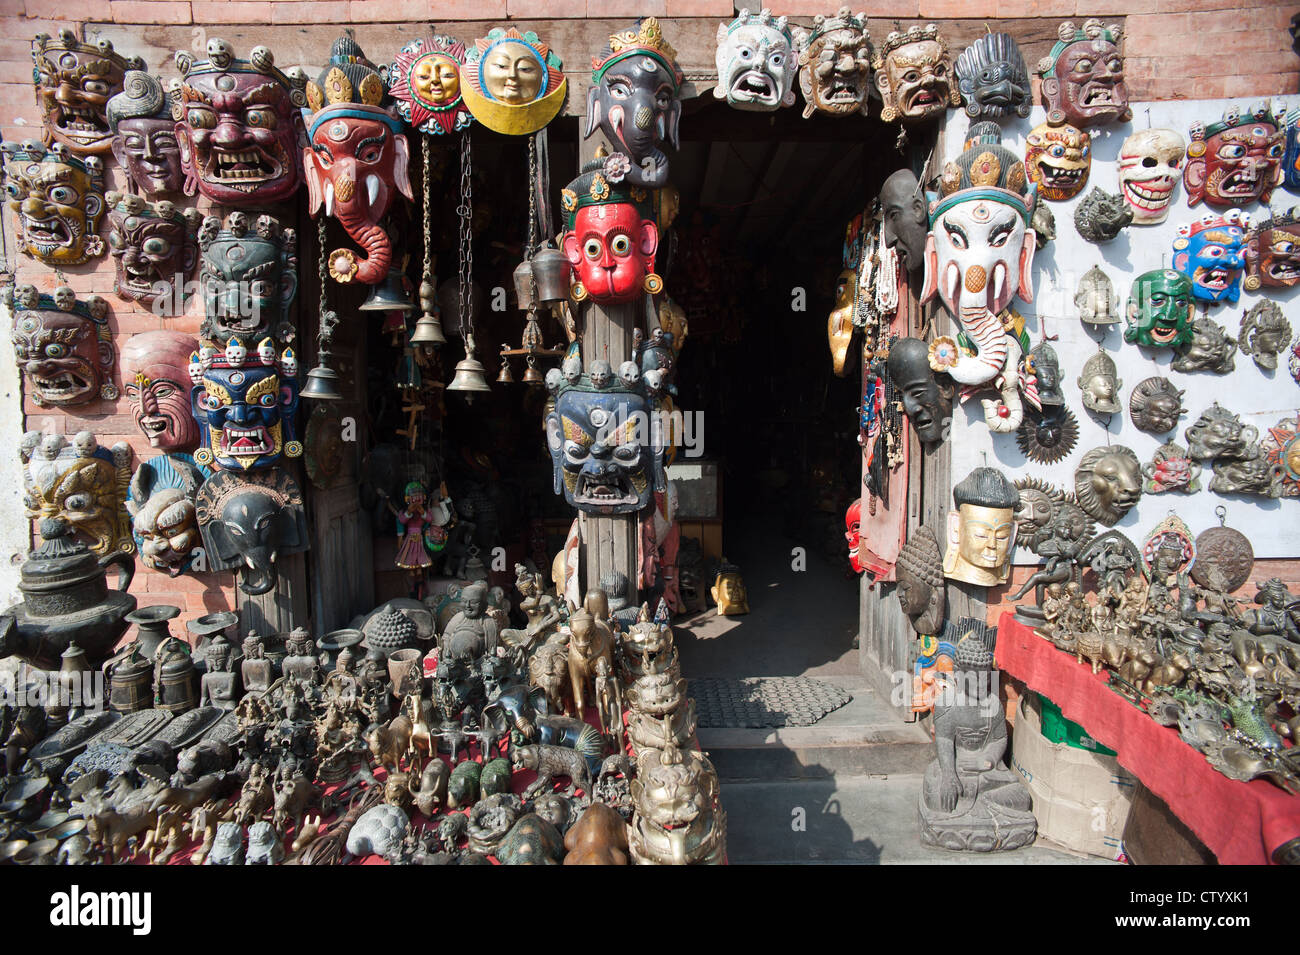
(74, 84)
(1237, 160)
(57, 201)
(1273, 252)
(1083, 76)
(835, 65)
(757, 59)
(154, 249)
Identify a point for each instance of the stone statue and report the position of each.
(220, 685)
(970, 800)
(920, 582)
(256, 668)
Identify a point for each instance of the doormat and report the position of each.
(764, 701)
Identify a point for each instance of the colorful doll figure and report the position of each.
(993, 79)
(1211, 252)
(1237, 160)
(757, 59)
(977, 258)
(356, 161)
(1083, 76)
(1149, 163)
(58, 201)
(249, 279)
(245, 410)
(77, 481)
(610, 236)
(606, 457)
(74, 82)
(247, 521)
(425, 83)
(512, 82)
(1273, 252)
(835, 64)
(634, 102)
(239, 125)
(155, 371)
(915, 76)
(164, 520)
(144, 135)
(1160, 310)
(64, 346)
(981, 529)
(1058, 159)
(154, 247)
(422, 528)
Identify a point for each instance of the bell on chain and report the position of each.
(428, 328)
(531, 375)
(524, 283)
(389, 295)
(506, 376)
(322, 384)
(551, 269)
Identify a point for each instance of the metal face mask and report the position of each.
(58, 201)
(144, 135)
(1083, 76)
(1058, 159)
(356, 161)
(1160, 310)
(512, 82)
(1149, 163)
(757, 59)
(915, 76)
(239, 126)
(992, 78)
(245, 408)
(611, 237)
(634, 100)
(155, 372)
(1273, 253)
(1237, 160)
(835, 65)
(249, 278)
(64, 347)
(154, 249)
(425, 78)
(1211, 252)
(604, 454)
(74, 81)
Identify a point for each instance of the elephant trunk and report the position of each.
(258, 576)
(985, 330)
(1005, 416)
(370, 236)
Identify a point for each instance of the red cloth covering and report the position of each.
(1241, 823)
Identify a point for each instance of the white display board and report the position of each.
(1261, 399)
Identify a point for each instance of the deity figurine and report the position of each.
(541, 609)
(63, 346)
(757, 59)
(220, 684)
(914, 74)
(920, 587)
(978, 258)
(144, 136)
(1211, 253)
(74, 83)
(512, 82)
(422, 528)
(1083, 76)
(57, 200)
(255, 669)
(728, 592)
(1237, 160)
(1265, 333)
(981, 529)
(471, 632)
(1095, 299)
(835, 64)
(970, 800)
(1278, 613)
(1150, 161)
(301, 662)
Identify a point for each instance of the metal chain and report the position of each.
(465, 212)
(532, 198)
(322, 270)
(427, 275)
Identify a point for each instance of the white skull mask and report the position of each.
(756, 63)
(1149, 169)
(979, 254)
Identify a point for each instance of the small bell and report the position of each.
(470, 376)
(322, 384)
(428, 328)
(506, 377)
(524, 283)
(531, 375)
(389, 295)
(553, 272)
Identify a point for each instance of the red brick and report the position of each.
(958, 9)
(290, 11)
(441, 10)
(1221, 7)
(1035, 8)
(1262, 85)
(143, 11)
(12, 8)
(232, 11)
(554, 9)
(66, 9)
(725, 9)
(617, 9)
(387, 11)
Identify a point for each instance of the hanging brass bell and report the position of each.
(322, 384)
(506, 377)
(532, 376)
(428, 331)
(553, 272)
(470, 376)
(389, 295)
(524, 284)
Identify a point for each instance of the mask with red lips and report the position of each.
(1083, 76)
(1211, 252)
(155, 373)
(1237, 160)
(1160, 310)
(1149, 164)
(611, 238)
(64, 346)
(1273, 252)
(245, 410)
(74, 82)
(1058, 159)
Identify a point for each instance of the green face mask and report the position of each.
(1160, 310)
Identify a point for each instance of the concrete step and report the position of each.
(850, 820)
(863, 738)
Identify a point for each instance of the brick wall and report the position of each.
(1192, 49)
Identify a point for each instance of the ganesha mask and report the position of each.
(1160, 310)
(356, 161)
(977, 258)
(144, 135)
(1273, 252)
(757, 59)
(1149, 163)
(64, 346)
(611, 236)
(245, 406)
(1083, 76)
(249, 278)
(835, 65)
(1058, 159)
(914, 75)
(1237, 160)
(155, 372)
(74, 82)
(239, 125)
(58, 201)
(247, 521)
(1211, 253)
(634, 101)
(606, 458)
(154, 247)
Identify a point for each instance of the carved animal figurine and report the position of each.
(206, 788)
(549, 671)
(388, 744)
(208, 756)
(264, 846)
(462, 787)
(109, 829)
(1090, 644)
(256, 797)
(431, 794)
(598, 838)
(495, 778)
(549, 762)
(292, 797)
(397, 790)
(227, 846)
(170, 836)
(203, 827)
(591, 640)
